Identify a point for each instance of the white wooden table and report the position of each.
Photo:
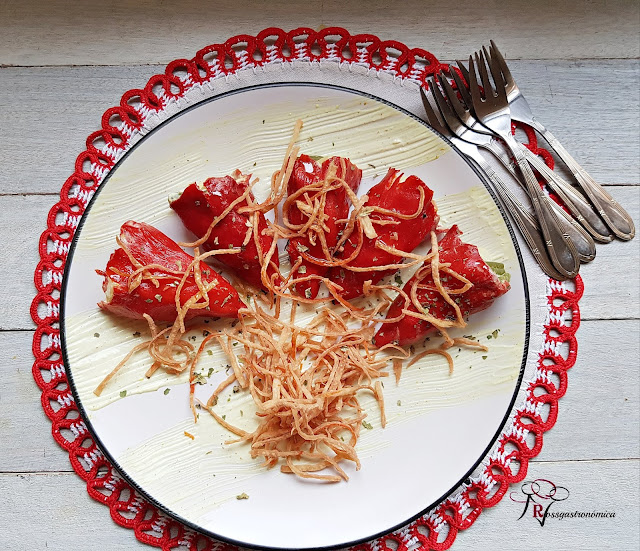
(62, 65)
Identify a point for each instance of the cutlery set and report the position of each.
(475, 113)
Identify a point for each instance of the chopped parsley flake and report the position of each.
(148, 300)
(96, 335)
(166, 391)
(367, 425)
(123, 393)
(199, 379)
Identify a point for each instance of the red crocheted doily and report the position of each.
(521, 439)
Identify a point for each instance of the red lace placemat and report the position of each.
(122, 125)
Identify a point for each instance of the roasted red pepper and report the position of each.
(306, 172)
(466, 261)
(401, 197)
(199, 205)
(150, 246)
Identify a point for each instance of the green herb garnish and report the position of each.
(199, 379)
(498, 269)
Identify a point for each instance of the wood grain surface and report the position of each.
(63, 63)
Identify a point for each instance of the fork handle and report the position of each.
(609, 209)
(561, 249)
(583, 242)
(579, 206)
(525, 222)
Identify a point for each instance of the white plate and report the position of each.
(439, 426)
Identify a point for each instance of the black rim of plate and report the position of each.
(94, 434)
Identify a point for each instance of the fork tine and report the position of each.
(432, 118)
(451, 95)
(495, 53)
(474, 88)
(463, 88)
(484, 75)
(443, 106)
(493, 64)
(498, 79)
(463, 69)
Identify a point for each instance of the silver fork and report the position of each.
(574, 227)
(492, 109)
(577, 204)
(612, 213)
(521, 216)
(463, 124)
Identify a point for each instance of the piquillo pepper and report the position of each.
(396, 203)
(307, 172)
(199, 205)
(466, 261)
(149, 246)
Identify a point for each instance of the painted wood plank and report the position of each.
(26, 216)
(25, 431)
(128, 32)
(53, 512)
(611, 279)
(48, 113)
(73, 522)
(598, 418)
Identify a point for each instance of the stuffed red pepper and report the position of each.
(463, 259)
(153, 291)
(407, 214)
(200, 204)
(305, 189)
